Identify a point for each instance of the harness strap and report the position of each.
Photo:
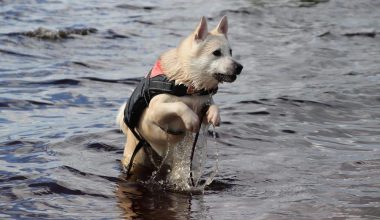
(160, 86)
(137, 149)
(141, 143)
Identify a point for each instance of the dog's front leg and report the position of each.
(173, 116)
(213, 115)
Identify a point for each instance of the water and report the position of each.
(300, 132)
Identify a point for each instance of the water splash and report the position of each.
(215, 169)
(158, 166)
(178, 158)
(179, 176)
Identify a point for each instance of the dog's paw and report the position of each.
(191, 122)
(213, 116)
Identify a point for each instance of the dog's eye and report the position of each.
(217, 53)
(231, 52)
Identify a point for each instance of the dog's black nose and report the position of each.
(238, 67)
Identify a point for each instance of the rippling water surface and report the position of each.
(301, 126)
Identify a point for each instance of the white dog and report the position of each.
(168, 102)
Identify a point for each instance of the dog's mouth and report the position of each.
(224, 77)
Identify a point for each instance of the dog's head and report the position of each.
(207, 56)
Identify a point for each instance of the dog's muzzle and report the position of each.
(237, 68)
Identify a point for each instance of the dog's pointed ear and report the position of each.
(201, 31)
(222, 27)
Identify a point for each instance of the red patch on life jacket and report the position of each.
(156, 71)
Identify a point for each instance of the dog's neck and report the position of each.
(157, 71)
(173, 68)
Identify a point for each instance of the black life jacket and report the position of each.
(153, 84)
(143, 94)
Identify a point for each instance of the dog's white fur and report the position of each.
(193, 64)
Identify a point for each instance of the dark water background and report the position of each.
(301, 126)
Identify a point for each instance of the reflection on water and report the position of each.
(136, 201)
(300, 131)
